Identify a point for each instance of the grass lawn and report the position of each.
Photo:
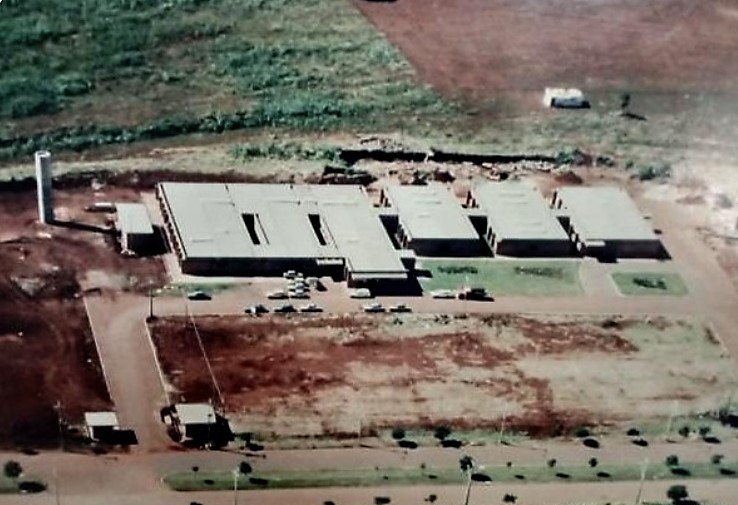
(190, 481)
(505, 277)
(649, 283)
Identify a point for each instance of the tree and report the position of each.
(509, 498)
(442, 432)
(398, 433)
(624, 102)
(466, 463)
(593, 462)
(672, 460)
(13, 469)
(245, 467)
(716, 459)
(551, 462)
(677, 493)
(431, 498)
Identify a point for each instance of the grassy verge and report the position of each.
(15, 486)
(505, 277)
(200, 481)
(649, 283)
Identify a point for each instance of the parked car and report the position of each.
(283, 309)
(299, 294)
(373, 308)
(311, 307)
(277, 295)
(478, 294)
(360, 293)
(289, 274)
(256, 309)
(199, 295)
(443, 293)
(400, 307)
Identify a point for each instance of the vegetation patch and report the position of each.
(649, 283)
(505, 277)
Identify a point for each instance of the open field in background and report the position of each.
(335, 376)
(649, 283)
(200, 481)
(504, 277)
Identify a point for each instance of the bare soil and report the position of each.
(47, 352)
(334, 375)
(476, 47)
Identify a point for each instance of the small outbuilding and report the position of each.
(101, 426)
(195, 420)
(134, 224)
(565, 98)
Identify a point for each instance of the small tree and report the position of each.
(716, 459)
(466, 463)
(442, 432)
(684, 431)
(551, 462)
(245, 467)
(704, 431)
(677, 493)
(624, 102)
(431, 498)
(509, 498)
(672, 460)
(398, 433)
(195, 469)
(593, 462)
(13, 469)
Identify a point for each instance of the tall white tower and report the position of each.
(43, 187)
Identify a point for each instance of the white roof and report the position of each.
(195, 413)
(430, 212)
(101, 419)
(210, 222)
(517, 211)
(133, 218)
(604, 213)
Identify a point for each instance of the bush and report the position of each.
(716, 459)
(650, 172)
(431, 498)
(13, 469)
(704, 430)
(398, 433)
(442, 432)
(677, 493)
(509, 498)
(593, 462)
(551, 462)
(582, 432)
(245, 467)
(672, 460)
(685, 431)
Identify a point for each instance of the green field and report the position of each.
(191, 481)
(122, 71)
(505, 277)
(649, 283)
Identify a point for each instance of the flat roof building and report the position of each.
(519, 220)
(605, 222)
(267, 229)
(430, 221)
(101, 425)
(134, 224)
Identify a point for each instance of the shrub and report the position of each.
(195, 469)
(431, 498)
(245, 467)
(551, 462)
(650, 172)
(685, 431)
(677, 493)
(509, 498)
(442, 432)
(704, 430)
(582, 432)
(593, 462)
(716, 459)
(466, 463)
(672, 460)
(398, 433)
(13, 469)
(633, 432)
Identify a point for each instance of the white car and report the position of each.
(373, 308)
(311, 307)
(300, 294)
(289, 274)
(277, 295)
(360, 293)
(443, 293)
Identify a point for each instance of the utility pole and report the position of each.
(151, 302)
(502, 426)
(644, 468)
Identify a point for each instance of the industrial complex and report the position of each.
(268, 229)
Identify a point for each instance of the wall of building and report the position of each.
(534, 248)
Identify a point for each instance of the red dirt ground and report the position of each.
(476, 47)
(47, 353)
(258, 360)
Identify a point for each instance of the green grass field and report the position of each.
(649, 283)
(505, 277)
(190, 481)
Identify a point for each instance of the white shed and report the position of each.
(565, 98)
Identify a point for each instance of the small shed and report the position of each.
(134, 224)
(195, 419)
(101, 425)
(565, 98)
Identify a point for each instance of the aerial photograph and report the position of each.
(369, 252)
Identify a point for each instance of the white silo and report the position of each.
(43, 187)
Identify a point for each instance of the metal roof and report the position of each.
(604, 213)
(210, 223)
(133, 218)
(195, 413)
(430, 212)
(101, 419)
(517, 211)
